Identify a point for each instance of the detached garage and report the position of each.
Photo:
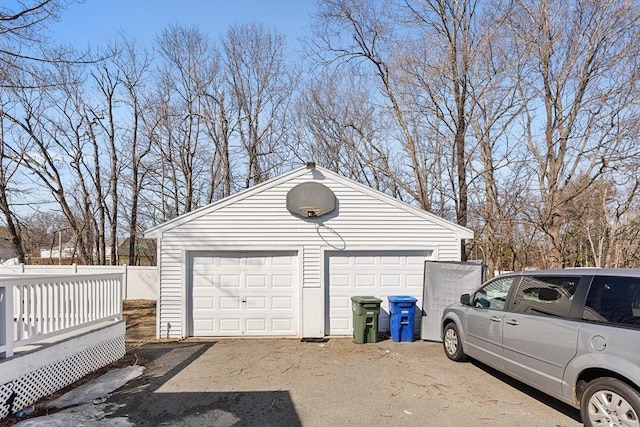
(284, 258)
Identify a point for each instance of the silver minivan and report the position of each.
(573, 334)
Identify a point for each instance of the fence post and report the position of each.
(125, 281)
(6, 313)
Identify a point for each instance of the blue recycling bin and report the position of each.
(402, 310)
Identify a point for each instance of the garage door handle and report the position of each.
(512, 322)
(496, 319)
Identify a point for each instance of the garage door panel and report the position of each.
(203, 302)
(416, 282)
(283, 261)
(234, 261)
(256, 303)
(204, 272)
(199, 261)
(365, 280)
(203, 325)
(256, 281)
(338, 280)
(281, 324)
(281, 281)
(340, 324)
(228, 326)
(248, 289)
(256, 325)
(225, 281)
(203, 282)
(377, 274)
(390, 280)
(339, 260)
(343, 302)
(282, 303)
(391, 261)
(229, 303)
(202, 275)
(363, 260)
(256, 261)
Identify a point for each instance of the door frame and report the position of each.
(430, 253)
(187, 277)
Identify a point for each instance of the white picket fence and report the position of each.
(139, 282)
(36, 307)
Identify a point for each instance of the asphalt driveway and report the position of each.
(285, 382)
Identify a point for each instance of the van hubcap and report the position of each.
(607, 408)
(451, 341)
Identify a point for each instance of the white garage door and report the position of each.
(378, 274)
(238, 294)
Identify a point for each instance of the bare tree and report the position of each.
(582, 80)
(36, 140)
(443, 73)
(350, 31)
(186, 73)
(346, 132)
(8, 167)
(133, 66)
(23, 39)
(262, 85)
(23, 43)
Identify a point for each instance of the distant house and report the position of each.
(68, 251)
(145, 252)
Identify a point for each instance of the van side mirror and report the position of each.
(465, 299)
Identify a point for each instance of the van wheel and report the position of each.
(452, 344)
(609, 402)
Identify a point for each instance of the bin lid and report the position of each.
(401, 298)
(366, 300)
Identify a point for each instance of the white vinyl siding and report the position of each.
(260, 221)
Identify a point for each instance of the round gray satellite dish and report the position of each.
(310, 200)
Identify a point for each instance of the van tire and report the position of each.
(452, 343)
(608, 401)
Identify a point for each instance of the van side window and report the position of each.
(545, 296)
(494, 294)
(614, 300)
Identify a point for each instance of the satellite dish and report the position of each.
(310, 200)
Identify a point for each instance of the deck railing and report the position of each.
(34, 308)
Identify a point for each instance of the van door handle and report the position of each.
(496, 319)
(512, 322)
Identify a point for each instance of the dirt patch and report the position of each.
(140, 316)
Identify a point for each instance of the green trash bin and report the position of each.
(365, 318)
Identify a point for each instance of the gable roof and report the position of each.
(463, 232)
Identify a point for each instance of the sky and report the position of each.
(95, 22)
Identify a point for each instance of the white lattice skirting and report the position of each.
(58, 365)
